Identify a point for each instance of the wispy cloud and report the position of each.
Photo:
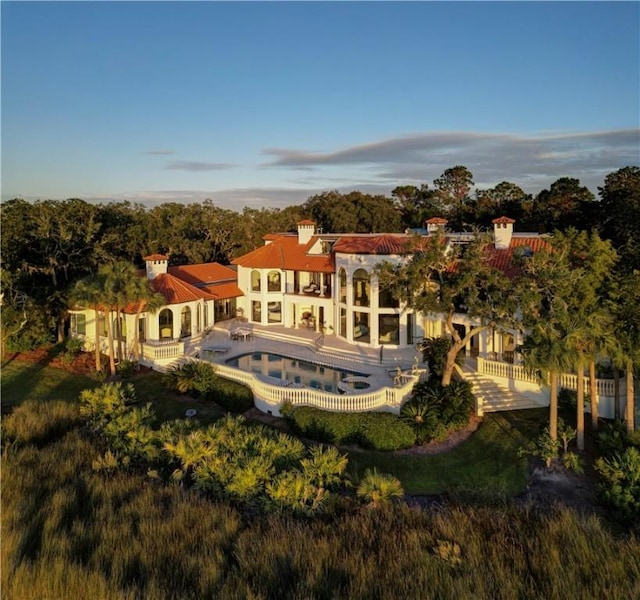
(194, 165)
(532, 161)
(159, 152)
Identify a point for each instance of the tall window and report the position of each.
(142, 330)
(256, 311)
(274, 312)
(343, 322)
(79, 324)
(410, 327)
(273, 281)
(342, 282)
(361, 288)
(102, 325)
(165, 324)
(389, 329)
(386, 299)
(255, 281)
(361, 331)
(185, 322)
(198, 319)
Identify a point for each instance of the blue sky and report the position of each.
(264, 104)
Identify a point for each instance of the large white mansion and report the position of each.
(317, 283)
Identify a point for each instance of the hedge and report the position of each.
(371, 430)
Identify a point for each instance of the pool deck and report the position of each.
(312, 346)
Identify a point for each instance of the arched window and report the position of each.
(185, 322)
(273, 281)
(361, 288)
(342, 282)
(165, 324)
(198, 319)
(255, 281)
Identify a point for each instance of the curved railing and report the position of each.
(270, 396)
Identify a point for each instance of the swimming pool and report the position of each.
(301, 372)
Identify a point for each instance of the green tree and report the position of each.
(566, 201)
(446, 279)
(620, 214)
(89, 292)
(452, 190)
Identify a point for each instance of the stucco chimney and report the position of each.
(306, 230)
(435, 224)
(156, 265)
(502, 232)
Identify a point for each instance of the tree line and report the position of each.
(48, 245)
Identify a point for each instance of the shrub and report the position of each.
(199, 379)
(435, 410)
(377, 431)
(385, 431)
(126, 368)
(620, 486)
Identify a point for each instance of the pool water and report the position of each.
(302, 372)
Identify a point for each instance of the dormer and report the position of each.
(306, 230)
(435, 224)
(156, 265)
(502, 232)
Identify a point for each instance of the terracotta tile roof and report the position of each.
(204, 274)
(284, 252)
(223, 291)
(306, 222)
(501, 220)
(436, 221)
(156, 257)
(503, 259)
(177, 291)
(379, 244)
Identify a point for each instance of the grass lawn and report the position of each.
(487, 461)
(22, 380)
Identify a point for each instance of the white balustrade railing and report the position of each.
(492, 368)
(388, 399)
(162, 351)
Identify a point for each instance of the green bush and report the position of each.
(435, 410)
(373, 430)
(198, 378)
(231, 395)
(620, 485)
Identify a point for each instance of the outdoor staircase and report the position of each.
(492, 396)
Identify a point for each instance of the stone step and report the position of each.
(495, 397)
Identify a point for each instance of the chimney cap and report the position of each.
(502, 220)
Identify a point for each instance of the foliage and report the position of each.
(572, 462)
(544, 447)
(199, 379)
(566, 433)
(379, 488)
(612, 438)
(434, 353)
(98, 406)
(372, 430)
(620, 486)
(435, 410)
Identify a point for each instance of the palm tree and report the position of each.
(87, 292)
(379, 488)
(147, 300)
(547, 349)
(122, 287)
